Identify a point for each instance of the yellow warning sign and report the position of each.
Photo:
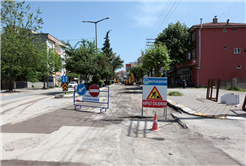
(154, 94)
(64, 87)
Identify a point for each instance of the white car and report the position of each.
(72, 84)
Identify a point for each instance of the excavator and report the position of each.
(116, 80)
(130, 80)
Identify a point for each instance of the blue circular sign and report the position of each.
(81, 89)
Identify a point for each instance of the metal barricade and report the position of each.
(80, 105)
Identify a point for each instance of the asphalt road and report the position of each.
(41, 130)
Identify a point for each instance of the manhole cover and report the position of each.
(22, 143)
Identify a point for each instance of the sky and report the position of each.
(131, 22)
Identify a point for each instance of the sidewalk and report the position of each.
(22, 91)
(194, 102)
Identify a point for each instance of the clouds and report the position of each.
(146, 14)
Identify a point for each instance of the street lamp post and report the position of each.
(95, 22)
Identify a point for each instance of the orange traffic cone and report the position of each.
(155, 125)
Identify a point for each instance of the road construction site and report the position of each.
(44, 130)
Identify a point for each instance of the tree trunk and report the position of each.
(10, 75)
(44, 83)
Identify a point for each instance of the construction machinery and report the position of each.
(116, 80)
(130, 80)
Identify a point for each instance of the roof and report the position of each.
(218, 25)
(122, 71)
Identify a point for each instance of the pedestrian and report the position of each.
(184, 83)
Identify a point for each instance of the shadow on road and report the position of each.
(131, 92)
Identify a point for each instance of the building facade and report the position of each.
(130, 65)
(121, 74)
(56, 44)
(219, 52)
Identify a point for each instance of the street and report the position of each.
(38, 129)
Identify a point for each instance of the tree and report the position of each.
(117, 63)
(51, 62)
(156, 57)
(82, 60)
(105, 70)
(138, 71)
(18, 53)
(106, 48)
(176, 39)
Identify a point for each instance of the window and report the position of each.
(62, 51)
(194, 54)
(58, 48)
(237, 51)
(224, 30)
(193, 36)
(188, 56)
(225, 48)
(234, 29)
(238, 66)
(50, 44)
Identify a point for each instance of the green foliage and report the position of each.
(106, 48)
(82, 60)
(104, 68)
(106, 82)
(101, 83)
(138, 71)
(155, 57)
(50, 62)
(117, 63)
(19, 52)
(96, 79)
(176, 39)
(175, 93)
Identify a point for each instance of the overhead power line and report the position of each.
(165, 19)
(157, 21)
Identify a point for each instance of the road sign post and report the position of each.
(64, 78)
(64, 87)
(94, 90)
(81, 89)
(154, 93)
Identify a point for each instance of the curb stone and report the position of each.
(189, 111)
(11, 94)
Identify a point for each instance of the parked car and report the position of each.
(72, 84)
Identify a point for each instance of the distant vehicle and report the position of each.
(72, 84)
(116, 80)
(130, 80)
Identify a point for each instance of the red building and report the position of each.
(128, 67)
(219, 52)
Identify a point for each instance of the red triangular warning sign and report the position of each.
(154, 94)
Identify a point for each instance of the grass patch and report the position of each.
(175, 93)
(235, 89)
